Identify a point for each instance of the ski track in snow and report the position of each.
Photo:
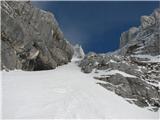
(65, 92)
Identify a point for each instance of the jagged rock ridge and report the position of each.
(31, 38)
(133, 71)
(142, 40)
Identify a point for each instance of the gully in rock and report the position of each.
(69, 83)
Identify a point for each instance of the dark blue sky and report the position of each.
(97, 26)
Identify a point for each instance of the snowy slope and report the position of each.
(152, 59)
(65, 92)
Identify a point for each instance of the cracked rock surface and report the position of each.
(31, 38)
(133, 71)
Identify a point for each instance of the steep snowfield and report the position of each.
(65, 92)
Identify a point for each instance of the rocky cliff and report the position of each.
(133, 71)
(31, 38)
(142, 40)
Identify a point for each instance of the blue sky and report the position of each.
(96, 25)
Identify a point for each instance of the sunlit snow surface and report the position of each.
(153, 59)
(65, 92)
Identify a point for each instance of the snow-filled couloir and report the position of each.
(65, 92)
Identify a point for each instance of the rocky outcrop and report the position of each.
(128, 36)
(78, 51)
(133, 89)
(133, 71)
(142, 40)
(136, 78)
(31, 38)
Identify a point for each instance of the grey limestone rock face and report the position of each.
(147, 21)
(142, 89)
(138, 57)
(31, 38)
(145, 39)
(128, 36)
(134, 89)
